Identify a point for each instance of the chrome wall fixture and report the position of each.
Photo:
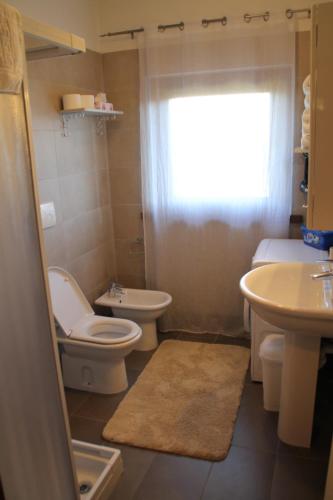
(126, 32)
(290, 12)
(162, 27)
(248, 18)
(206, 22)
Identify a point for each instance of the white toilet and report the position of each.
(142, 306)
(93, 347)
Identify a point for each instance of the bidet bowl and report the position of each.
(137, 305)
(141, 306)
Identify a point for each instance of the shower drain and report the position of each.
(85, 488)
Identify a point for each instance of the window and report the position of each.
(219, 146)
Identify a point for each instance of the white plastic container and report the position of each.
(271, 355)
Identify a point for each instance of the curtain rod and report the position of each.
(206, 22)
(290, 12)
(248, 18)
(162, 27)
(126, 32)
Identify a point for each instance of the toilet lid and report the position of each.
(68, 301)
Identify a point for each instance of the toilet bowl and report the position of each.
(93, 347)
(142, 306)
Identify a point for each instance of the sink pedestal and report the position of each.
(298, 388)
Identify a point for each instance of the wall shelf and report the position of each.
(101, 115)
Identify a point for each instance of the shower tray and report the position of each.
(98, 469)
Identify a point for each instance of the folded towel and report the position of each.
(11, 50)
(307, 101)
(305, 142)
(307, 85)
(306, 116)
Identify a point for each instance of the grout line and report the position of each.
(91, 418)
(87, 396)
(207, 479)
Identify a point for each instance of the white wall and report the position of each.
(118, 15)
(80, 17)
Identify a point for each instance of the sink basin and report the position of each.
(286, 296)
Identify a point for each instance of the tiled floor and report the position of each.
(258, 466)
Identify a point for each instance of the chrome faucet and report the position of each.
(322, 276)
(328, 274)
(115, 289)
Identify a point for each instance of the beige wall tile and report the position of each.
(75, 153)
(121, 70)
(90, 269)
(121, 76)
(45, 151)
(44, 105)
(130, 257)
(81, 71)
(129, 103)
(125, 186)
(78, 194)
(128, 222)
(124, 148)
(73, 172)
(55, 246)
(130, 281)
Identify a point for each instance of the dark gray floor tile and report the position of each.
(103, 406)
(172, 477)
(167, 336)
(248, 377)
(198, 337)
(137, 360)
(75, 399)
(320, 445)
(244, 475)
(252, 396)
(85, 429)
(100, 406)
(136, 464)
(231, 340)
(297, 478)
(255, 428)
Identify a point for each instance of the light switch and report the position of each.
(48, 214)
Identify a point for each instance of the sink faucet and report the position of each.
(325, 274)
(115, 289)
(322, 276)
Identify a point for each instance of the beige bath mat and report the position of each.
(184, 402)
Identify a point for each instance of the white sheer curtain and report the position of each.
(216, 143)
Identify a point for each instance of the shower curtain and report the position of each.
(216, 146)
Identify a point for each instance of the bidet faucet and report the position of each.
(115, 289)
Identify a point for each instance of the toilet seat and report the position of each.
(104, 330)
(78, 320)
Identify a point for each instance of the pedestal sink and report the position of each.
(287, 296)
